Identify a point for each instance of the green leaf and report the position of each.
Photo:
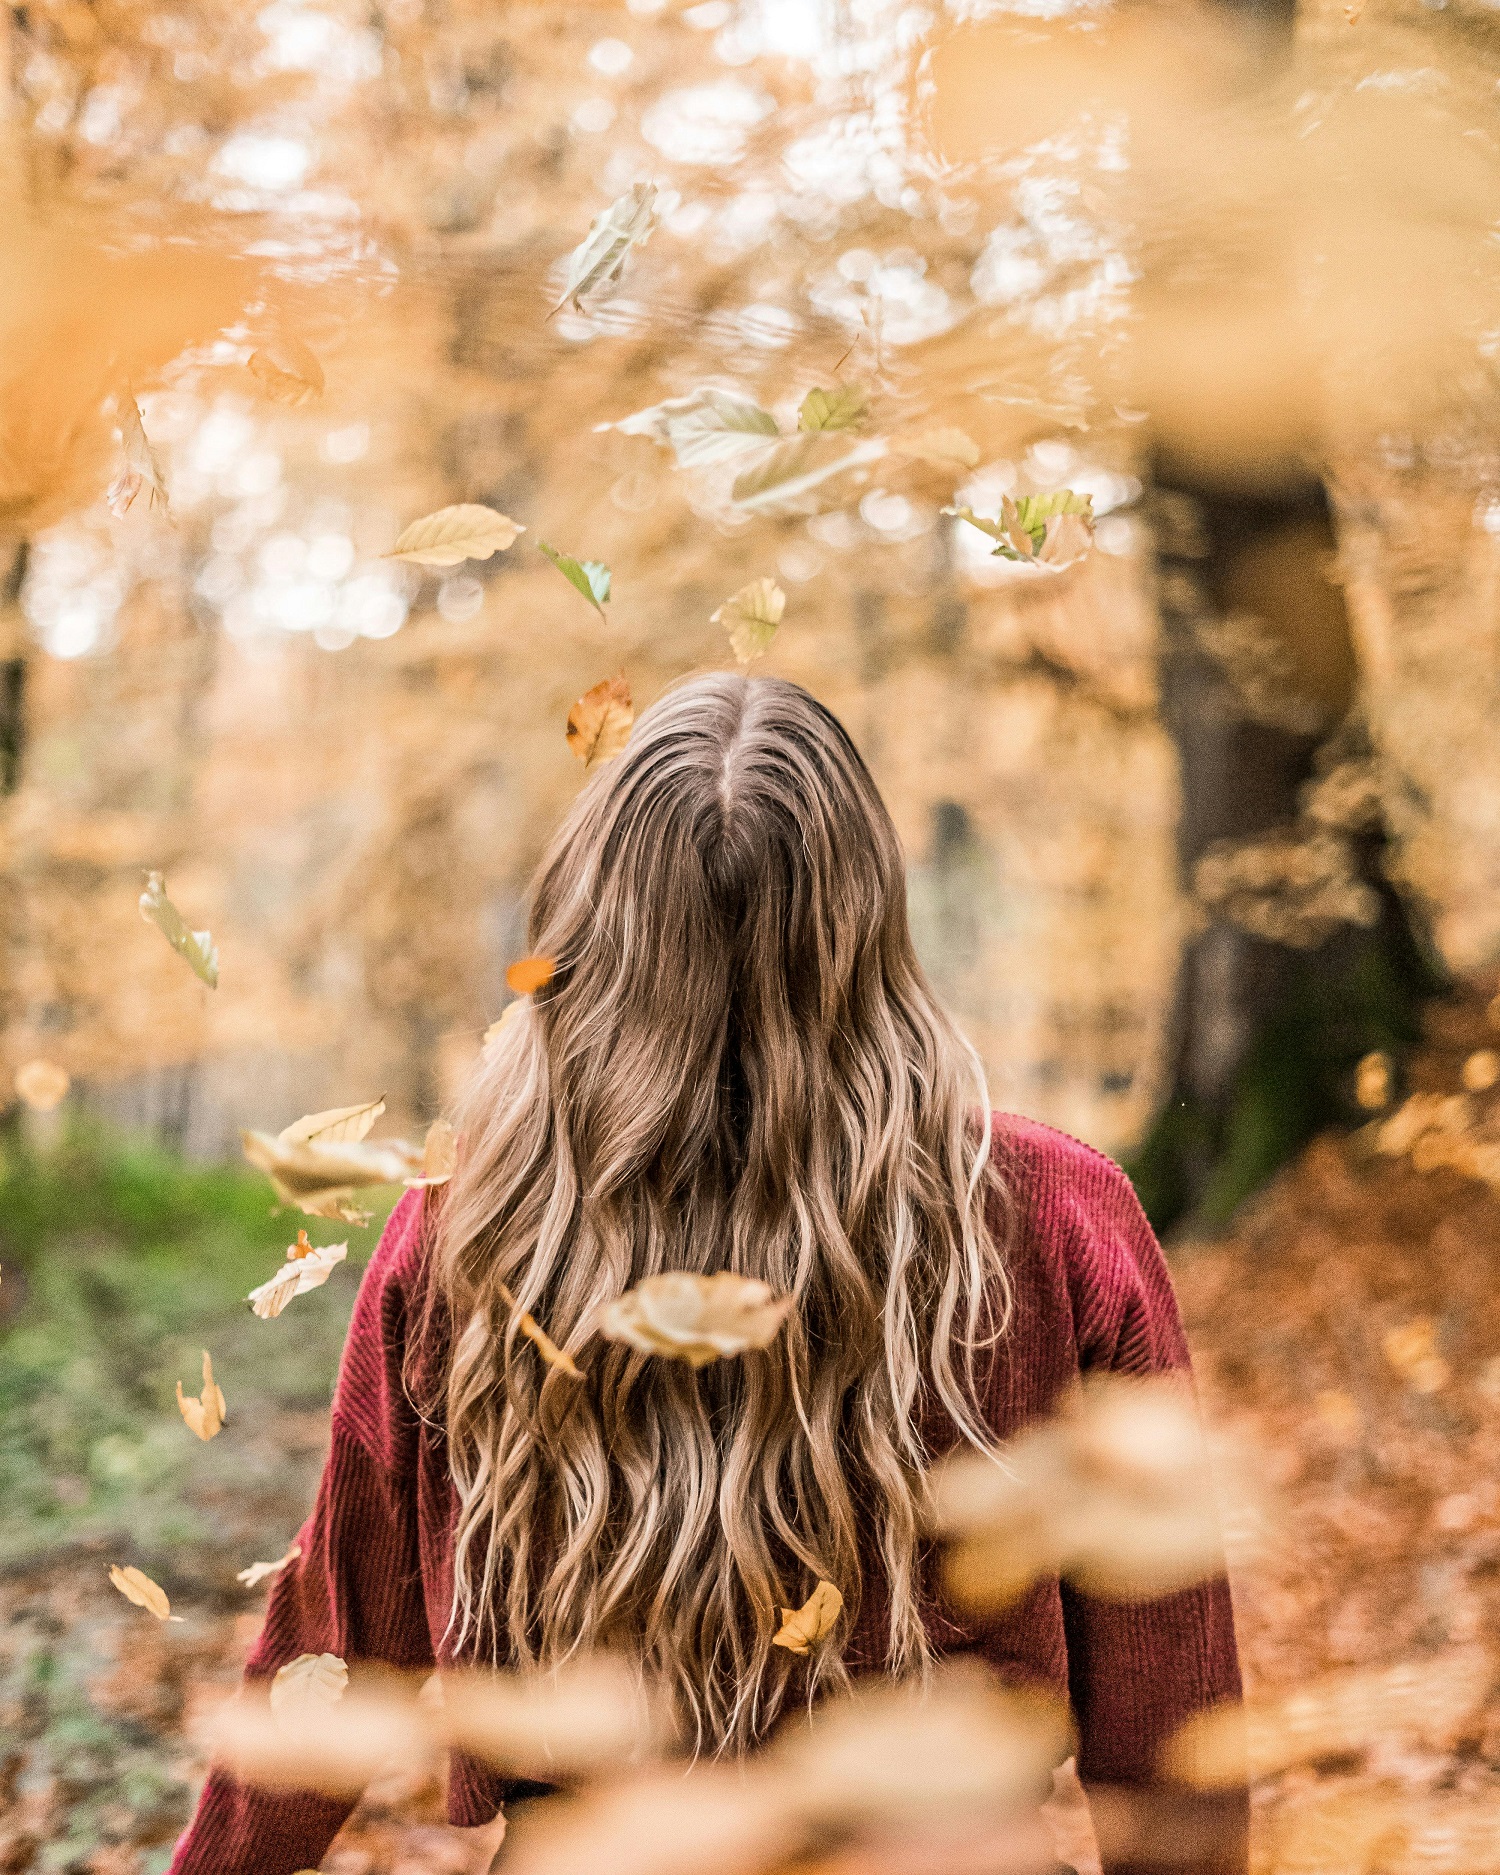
(842, 408)
(590, 577)
(1035, 511)
(196, 948)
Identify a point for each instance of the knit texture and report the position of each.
(374, 1580)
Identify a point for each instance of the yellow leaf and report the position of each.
(599, 722)
(309, 1680)
(206, 1415)
(136, 1586)
(335, 1125)
(842, 408)
(550, 1352)
(751, 618)
(467, 531)
(694, 1318)
(305, 1268)
(196, 948)
(287, 371)
(528, 974)
(258, 1571)
(439, 1156)
(802, 1628)
(42, 1085)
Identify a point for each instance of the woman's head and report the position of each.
(736, 1065)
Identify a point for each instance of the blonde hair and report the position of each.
(738, 1065)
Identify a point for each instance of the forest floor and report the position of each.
(1347, 1334)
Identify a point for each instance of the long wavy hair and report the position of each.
(737, 1065)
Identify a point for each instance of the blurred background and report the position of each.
(1203, 831)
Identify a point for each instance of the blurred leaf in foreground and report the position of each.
(466, 531)
(439, 1157)
(794, 470)
(751, 617)
(136, 1586)
(206, 1415)
(319, 1162)
(694, 1318)
(708, 426)
(308, 1266)
(310, 1679)
(942, 447)
(586, 1717)
(287, 371)
(802, 1628)
(318, 1737)
(600, 256)
(42, 1085)
(589, 577)
(529, 974)
(599, 723)
(842, 408)
(196, 948)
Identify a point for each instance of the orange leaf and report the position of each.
(527, 974)
(599, 722)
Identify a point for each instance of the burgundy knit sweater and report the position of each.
(374, 1579)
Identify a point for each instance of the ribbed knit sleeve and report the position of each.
(354, 1591)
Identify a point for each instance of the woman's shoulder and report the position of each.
(1077, 1232)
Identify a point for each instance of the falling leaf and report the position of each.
(439, 1157)
(802, 1628)
(532, 1329)
(303, 1743)
(319, 1162)
(587, 1717)
(529, 974)
(258, 1571)
(467, 531)
(600, 256)
(309, 1680)
(696, 1318)
(140, 466)
(590, 577)
(136, 1586)
(42, 1085)
(1372, 1080)
(307, 1267)
(943, 448)
(196, 948)
(287, 371)
(710, 426)
(751, 618)
(599, 722)
(1042, 530)
(335, 1126)
(794, 470)
(206, 1415)
(843, 408)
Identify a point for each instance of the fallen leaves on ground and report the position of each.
(206, 1415)
(136, 1586)
(196, 948)
(589, 577)
(802, 1628)
(42, 1085)
(694, 1318)
(308, 1266)
(258, 1571)
(600, 256)
(527, 975)
(751, 617)
(466, 531)
(600, 722)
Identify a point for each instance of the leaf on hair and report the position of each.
(802, 1628)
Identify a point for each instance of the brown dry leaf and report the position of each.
(751, 618)
(599, 722)
(673, 1823)
(319, 1738)
(310, 1679)
(335, 1125)
(307, 1267)
(696, 1318)
(532, 1329)
(1432, 1700)
(206, 1415)
(802, 1628)
(591, 1716)
(42, 1085)
(439, 1157)
(1115, 1494)
(136, 1586)
(287, 371)
(319, 1162)
(258, 1571)
(530, 974)
(466, 531)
